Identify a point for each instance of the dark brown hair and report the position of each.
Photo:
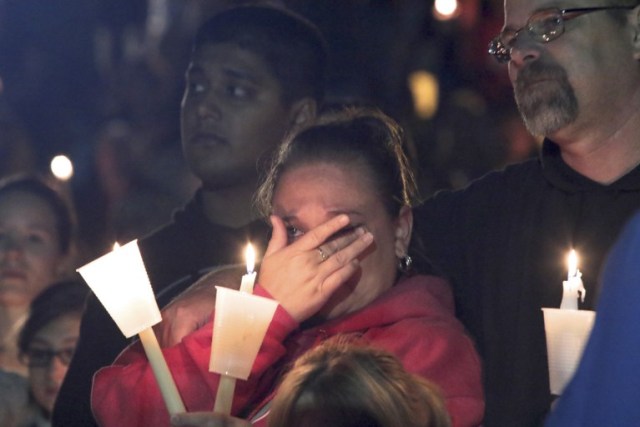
(355, 137)
(292, 46)
(58, 300)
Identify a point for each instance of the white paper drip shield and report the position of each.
(240, 323)
(119, 280)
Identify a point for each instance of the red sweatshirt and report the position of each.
(413, 320)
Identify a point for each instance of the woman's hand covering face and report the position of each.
(303, 275)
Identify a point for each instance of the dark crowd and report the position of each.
(101, 82)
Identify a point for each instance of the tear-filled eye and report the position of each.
(293, 233)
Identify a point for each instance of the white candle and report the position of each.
(572, 261)
(119, 280)
(161, 371)
(246, 285)
(224, 397)
(573, 288)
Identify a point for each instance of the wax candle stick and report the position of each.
(248, 280)
(224, 396)
(239, 325)
(119, 280)
(566, 329)
(227, 385)
(161, 371)
(573, 288)
(572, 264)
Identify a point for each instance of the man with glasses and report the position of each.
(503, 241)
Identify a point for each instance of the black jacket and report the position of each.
(503, 243)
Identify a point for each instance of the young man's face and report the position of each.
(232, 115)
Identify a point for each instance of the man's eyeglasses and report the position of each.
(543, 26)
(42, 358)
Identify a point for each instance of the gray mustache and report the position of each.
(539, 71)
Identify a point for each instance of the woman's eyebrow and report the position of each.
(287, 218)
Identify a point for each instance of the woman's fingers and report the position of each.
(345, 263)
(321, 233)
(349, 248)
(333, 246)
(337, 268)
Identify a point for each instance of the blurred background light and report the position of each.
(425, 92)
(61, 167)
(444, 10)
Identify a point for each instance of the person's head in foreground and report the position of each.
(48, 339)
(350, 162)
(255, 73)
(344, 384)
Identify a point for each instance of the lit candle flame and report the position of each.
(250, 257)
(572, 261)
(115, 246)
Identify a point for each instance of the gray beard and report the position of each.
(548, 106)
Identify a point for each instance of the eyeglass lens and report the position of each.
(543, 26)
(39, 358)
